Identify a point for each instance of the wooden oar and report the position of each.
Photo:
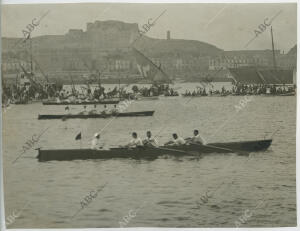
(241, 152)
(164, 149)
(173, 150)
(220, 148)
(212, 146)
(224, 149)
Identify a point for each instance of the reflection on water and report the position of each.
(167, 190)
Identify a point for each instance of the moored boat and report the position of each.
(146, 152)
(288, 94)
(21, 102)
(144, 98)
(284, 94)
(94, 115)
(198, 95)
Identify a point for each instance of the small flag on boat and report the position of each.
(78, 137)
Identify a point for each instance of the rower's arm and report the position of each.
(169, 142)
(202, 141)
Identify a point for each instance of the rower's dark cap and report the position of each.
(196, 130)
(134, 134)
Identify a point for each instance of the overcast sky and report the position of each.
(227, 26)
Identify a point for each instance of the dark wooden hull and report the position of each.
(243, 148)
(81, 103)
(288, 94)
(194, 96)
(146, 98)
(21, 102)
(93, 116)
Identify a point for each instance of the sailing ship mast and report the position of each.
(158, 68)
(273, 50)
(274, 60)
(99, 80)
(73, 86)
(31, 66)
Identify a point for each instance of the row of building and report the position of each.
(259, 58)
(228, 59)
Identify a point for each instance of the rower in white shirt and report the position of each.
(95, 141)
(135, 142)
(196, 138)
(150, 141)
(114, 110)
(105, 110)
(177, 140)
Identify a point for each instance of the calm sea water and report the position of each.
(165, 192)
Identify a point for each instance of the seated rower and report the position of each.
(135, 142)
(105, 111)
(150, 141)
(95, 141)
(176, 140)
(93, 111)
(114, 110)
(84, 112)
(196, 138)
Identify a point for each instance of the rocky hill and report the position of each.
(106, 46)
(178, 47)
(113, 35)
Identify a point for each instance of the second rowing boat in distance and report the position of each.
(95, 115)
(81, 102)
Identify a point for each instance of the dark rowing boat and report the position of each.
(288, 94)
(145, 152)
(146, 98)
(81, 102)
(93, 116)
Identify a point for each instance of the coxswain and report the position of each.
(196, 138)
(177, 140)
(150, 141)
(95, 141)
(135, 142)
